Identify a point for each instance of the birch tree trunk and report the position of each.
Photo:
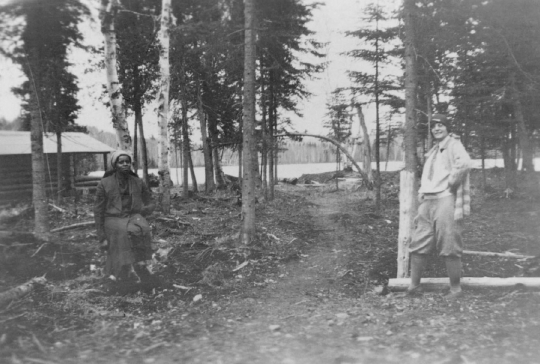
(107, 14)
(135, 145)
(163, 109)
(408, 180)
(249, 142)
(185, 142)
(144, 150)
(365, 144)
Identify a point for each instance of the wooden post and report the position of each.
(407, 191)
(105, 161)
(72, 174)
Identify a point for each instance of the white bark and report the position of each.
(107, 14)
(408, 180)
(163, 108)
(401, 284)
(364, 142)
(407, 211)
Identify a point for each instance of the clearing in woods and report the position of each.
(307, 294)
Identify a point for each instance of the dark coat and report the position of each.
(108, 201)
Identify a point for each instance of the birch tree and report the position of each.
(163, 108)
(108, 11)
(363, 141)
(249, 143)
(408, 178)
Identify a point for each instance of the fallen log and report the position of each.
(20, 291)
(57, 208)
(291, 181)
(74, 226)
(500, 255)
(4, 234)
(433, 284)
(365, 176)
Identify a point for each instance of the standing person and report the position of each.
(122, 199)
(444, 200)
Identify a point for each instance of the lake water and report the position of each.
(296, 170)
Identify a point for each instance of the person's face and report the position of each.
(439, 131)
(123, 163)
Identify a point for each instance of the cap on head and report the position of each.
(117, 154)
(441, 119)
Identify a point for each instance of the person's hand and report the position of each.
(453, 188)
(104, 245)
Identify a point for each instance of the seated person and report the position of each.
(122, 199)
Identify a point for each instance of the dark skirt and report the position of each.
(129, 242)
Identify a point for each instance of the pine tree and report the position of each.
(378, 51)
(50, 28)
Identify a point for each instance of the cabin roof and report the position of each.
(18, 142)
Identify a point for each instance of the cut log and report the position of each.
(500, 255)
(20, 291)
(432, 284)
(291, 181)
(74, 226)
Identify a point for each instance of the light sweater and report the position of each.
(450, 173)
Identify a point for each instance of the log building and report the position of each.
(16, 163)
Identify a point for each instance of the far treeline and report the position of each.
(232, 69)
(289, 152)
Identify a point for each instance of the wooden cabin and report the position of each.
(16, 163)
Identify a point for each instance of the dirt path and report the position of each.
(307, 314)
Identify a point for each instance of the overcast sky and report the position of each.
(330, 21)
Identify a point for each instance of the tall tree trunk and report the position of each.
(218, 170)
(144, 149)
(377, 125)
(408, 179)
(59, 169)
(388, 144)
(39, 192)
(365, 143)
(483, 156)
(135, 145)
(163, 109)
(509, 161)
(249, 143)
(240, 151)
(192, 171)
(429, 116)
(208, 163)
(185, 143)
(273, 142)
(107, 14)
(264, 128)
(213, 133)
(526, 146)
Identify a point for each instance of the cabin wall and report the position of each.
(16, 176)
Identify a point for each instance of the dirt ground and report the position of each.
(306, 292)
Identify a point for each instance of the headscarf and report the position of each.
(113, 158)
